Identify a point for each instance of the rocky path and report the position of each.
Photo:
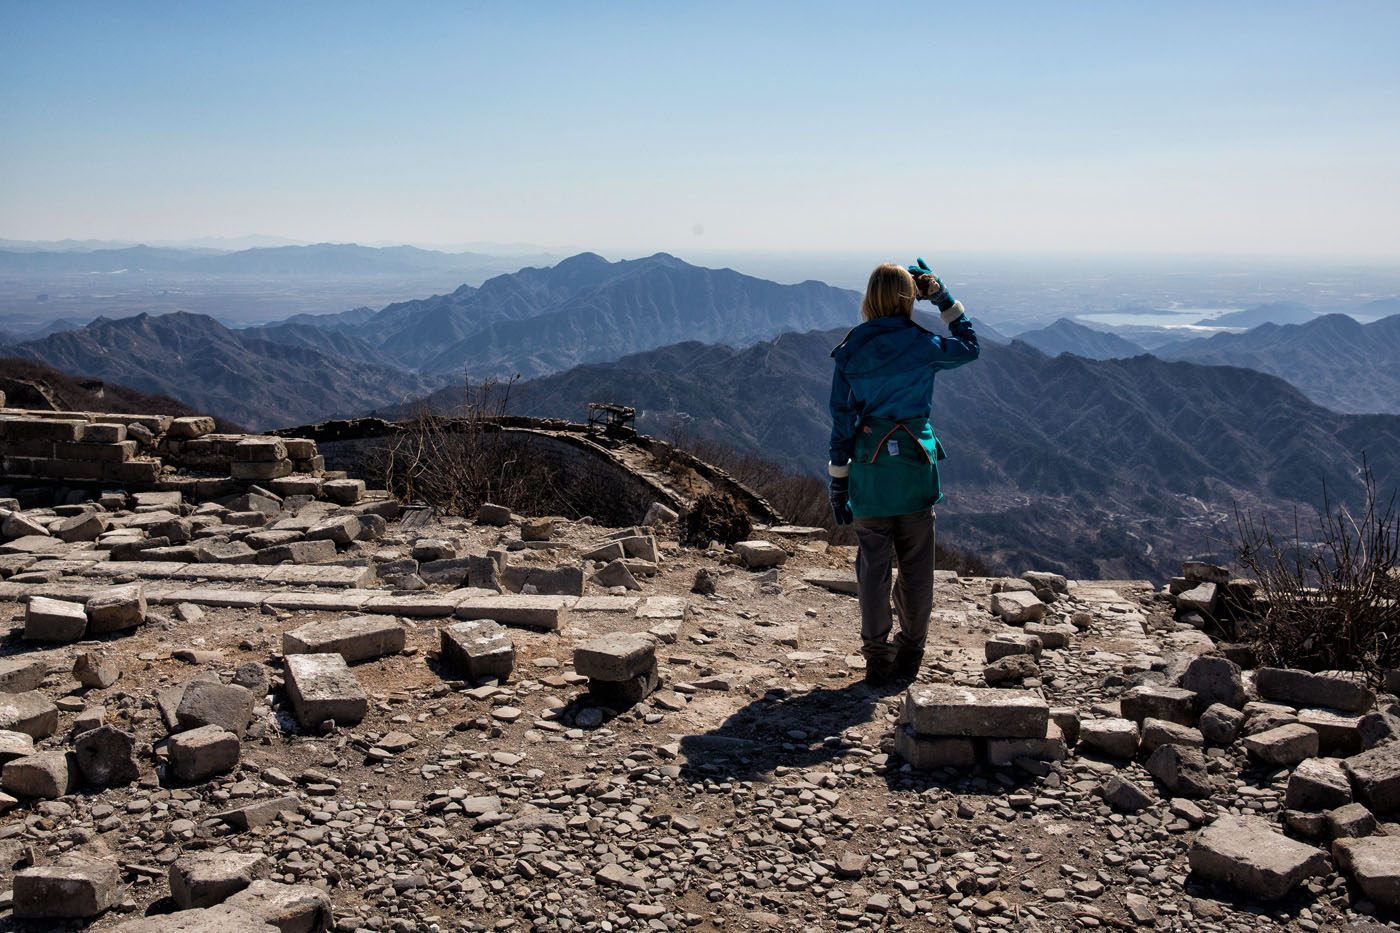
(756, 787)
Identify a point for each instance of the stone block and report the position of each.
(45, 775)
(1338, 734)
(624, 693)
(1350, 820)
(211, 703)
(74, 888)
(116, 609)
(102, 434)
(1247, 854)
(1199, 598)
(606, 552)
(1375, 776)
(53, 620)
(292, 908)
(1052, 636)
(344, 491)
(190, 427)
(659, 514)
(1170, 703)
(261, 469)
(616, 656)
(203, 879)
(258, 813)
(542, 612)
(203, 752)
(1285, 745)
(1002, 753)
(341, 529)
(1198, 571)
(616, 574)
(1116, 738)
(1003, 644)
(20, 674)
(837, 581)
(1318, 784)
(259, 450)
(1375, 864)
(1016, 607)
(550, 581)
(321, 687)
(355, 638)
(478, 649)
(29, 712)
(760, 555)
(297, 552)
(642, 547)
(947, 710)
(1158, 732)
(1303, 688)
(85, 527)
(15, 745)
(925, 753)
(491, 514)
(1125, 796)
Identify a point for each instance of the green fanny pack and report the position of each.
(895, 468)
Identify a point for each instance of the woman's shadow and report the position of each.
(781, 728)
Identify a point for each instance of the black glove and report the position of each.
(840, 490)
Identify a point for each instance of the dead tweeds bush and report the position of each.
(1330, 600)
(456, 462)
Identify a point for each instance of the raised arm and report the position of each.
(959, 348)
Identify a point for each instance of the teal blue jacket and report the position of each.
(885, 369)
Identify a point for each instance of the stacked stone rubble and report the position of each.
(945, 726)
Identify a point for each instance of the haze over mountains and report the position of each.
(1066, 336)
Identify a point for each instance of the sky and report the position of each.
(1185, 127)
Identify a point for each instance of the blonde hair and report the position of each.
(889, 293)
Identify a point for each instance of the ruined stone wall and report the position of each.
(151, 452)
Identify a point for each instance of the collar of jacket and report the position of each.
(866, 331)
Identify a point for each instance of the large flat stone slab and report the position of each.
(1302, 688)
(945, 710)
(321, 687)
(355, 638)
(54, 620)
(427, 606)
(543, 612)
(1375, 864)
(1246, 853)
(316, 575)
(332, 601)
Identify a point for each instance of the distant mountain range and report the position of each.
(317, 260)
(1066, 336)
(1106, 468)
(587, 309)
(237, 375)
(1335, 360)
(1275, 312)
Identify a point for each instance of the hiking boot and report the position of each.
(907, 662)
(878, 673)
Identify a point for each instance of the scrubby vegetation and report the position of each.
(1328, 593)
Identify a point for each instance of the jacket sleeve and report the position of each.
(951, 352)
(843, 424)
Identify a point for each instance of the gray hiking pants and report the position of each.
(908, 541)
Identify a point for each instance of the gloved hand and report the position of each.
(931, 287)
(840, 490)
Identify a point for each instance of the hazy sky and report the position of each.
(1219, 126)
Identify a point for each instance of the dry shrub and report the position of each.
(715, 517)
(455, 463)
(1331, 600)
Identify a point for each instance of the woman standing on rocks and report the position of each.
(884, 456)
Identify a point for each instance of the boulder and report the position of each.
(21, 673)
(292, 908)
(211, 703)
(1182, 771)
(106, 756)
(47, 775)
(1375, 775)
(53, 620)
(1220, 724)
(1011, 669)
(1159, 732)
(1215, 680)
(1350, 820)
(1124, 796)
(1158, 702)
(1246, 853)
(760, 555)
(96, 669)
(29, 712)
